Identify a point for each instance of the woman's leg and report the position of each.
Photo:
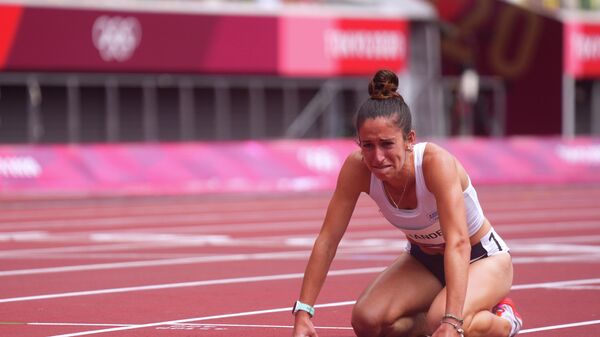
(393, 304)
(490, 280)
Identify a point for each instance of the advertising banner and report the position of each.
(93, 40)
(276, 166)
(10, 17)
(582, 49)
(330, 46)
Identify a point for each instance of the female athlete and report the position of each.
(456, 272)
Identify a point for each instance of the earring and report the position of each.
(409, 148)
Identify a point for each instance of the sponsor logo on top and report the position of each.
(587, 46)
(19, 167)
(579, 154)
(364, 44)
(116, 37)
(321, 159)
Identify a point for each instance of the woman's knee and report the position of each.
(368, 321)
(365, 322)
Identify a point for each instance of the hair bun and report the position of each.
(384, 85)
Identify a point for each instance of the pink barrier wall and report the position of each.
(280, 166)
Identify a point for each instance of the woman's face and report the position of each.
(383, 147)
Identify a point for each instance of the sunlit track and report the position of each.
(363, 238)
(569, 284)
(274, 216)
(367, 237)
(199, 209)
(209, 326)
(177, 265)
(591, 254)
(188, 207)
(488, 192)
(527, 199)
(345, 303)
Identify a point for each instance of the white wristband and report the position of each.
(299, 306)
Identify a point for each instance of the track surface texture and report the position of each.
(232, 265)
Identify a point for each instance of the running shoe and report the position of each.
(506, 309)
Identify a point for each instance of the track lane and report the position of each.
(535, 230)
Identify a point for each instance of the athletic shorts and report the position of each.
(490, 244)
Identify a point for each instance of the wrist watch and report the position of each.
(299, 306)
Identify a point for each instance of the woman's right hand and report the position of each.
(303, 326)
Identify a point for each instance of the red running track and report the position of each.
(232, 266)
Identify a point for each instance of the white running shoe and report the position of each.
(506, 309)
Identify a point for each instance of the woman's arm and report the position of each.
(443, 179)
(352, 180)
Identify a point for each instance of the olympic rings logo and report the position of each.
(116, 38)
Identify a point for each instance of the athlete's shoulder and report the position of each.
(355, 172)
(433, 149)
(434, 155)
(355, 158)
(439, 167)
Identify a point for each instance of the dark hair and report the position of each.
(385, 101)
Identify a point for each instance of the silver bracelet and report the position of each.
(453, 317)
(458, 329)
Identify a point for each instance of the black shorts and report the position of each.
(490, 244)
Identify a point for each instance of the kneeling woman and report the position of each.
(456, 271)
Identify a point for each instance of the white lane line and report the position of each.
(185, 325)
(154, 263)
(234, 217)
(110, 256)
(561, 326)
(274, 216)
(595, 258)
(259, 312)
(201, 232)
(524, 331)
(79, 236)
(557, 284)
(268, 326)
(170, 262)
(258, 279)
(33, 252)
(160, 209)
(189, 284)
(272, 326)
(556, 248)
(82, 324)
(395, 244)
(78, 209)
(204, 218)
(196, 319)
(358, 246)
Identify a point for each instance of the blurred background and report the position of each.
(164, 96)
(165, 165)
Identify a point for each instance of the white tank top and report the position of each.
(421, 225)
